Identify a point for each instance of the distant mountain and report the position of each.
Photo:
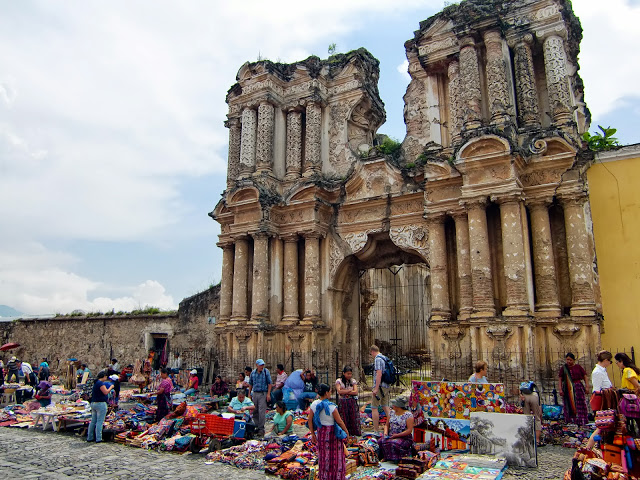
(6, 311)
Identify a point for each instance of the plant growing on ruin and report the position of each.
(601, 142)
(332, 49)
(389, 146)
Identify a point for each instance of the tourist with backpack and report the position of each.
(380, 390)
(531, 405)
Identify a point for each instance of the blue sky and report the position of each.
(112, 147)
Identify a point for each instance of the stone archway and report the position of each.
(358, 320)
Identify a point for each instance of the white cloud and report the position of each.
(403, 70)
(38, 281)
(609, 59)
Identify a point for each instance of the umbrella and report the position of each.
(9, 346)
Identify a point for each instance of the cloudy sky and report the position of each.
(112, 144)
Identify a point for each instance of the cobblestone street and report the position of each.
(31, 454)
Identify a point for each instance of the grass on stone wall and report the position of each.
(142, 311)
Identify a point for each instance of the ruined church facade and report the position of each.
(487, 193)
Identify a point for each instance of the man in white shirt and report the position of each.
(176, 363)
(27, 371)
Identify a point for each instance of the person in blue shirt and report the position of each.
(99, 396)
(260, 386)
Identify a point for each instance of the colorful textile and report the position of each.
(332, 464)
(348, 409)
(574, 395)
(456, 400)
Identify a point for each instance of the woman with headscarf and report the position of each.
(323, 421)
(43, 395)
(398, 432)
(573, 391)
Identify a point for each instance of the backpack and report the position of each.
(629, 405)
(527, 388)
(389, 376)
(606, 419)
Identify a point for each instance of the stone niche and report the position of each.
(487, 193)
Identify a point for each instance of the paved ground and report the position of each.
(32, 454)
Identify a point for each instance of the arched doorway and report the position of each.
(382, 295)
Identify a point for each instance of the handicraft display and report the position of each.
(456, 400)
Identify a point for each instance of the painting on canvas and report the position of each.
(508, 436)
(446, 433)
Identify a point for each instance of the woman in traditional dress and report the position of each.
(573, 391)
(163, 395)
(347, 389)
(398, 432)
(630, 373)
(323, 419)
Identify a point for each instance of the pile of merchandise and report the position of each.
(567, 435)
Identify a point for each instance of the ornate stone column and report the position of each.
(293, 159)
(470, 84)
(526, 92)
(291, 311)
(311, 278)
(464, 264)
(555, 63)
(260, 300)
(515, 269)
(248, 142)
(455, 106)
(440, 305)
(226, 284)
(481, 276)
(264, 147)
(497, 84)
(580, 256)
(235, 134)
(312, 146)
(544, 267)
(240, 277)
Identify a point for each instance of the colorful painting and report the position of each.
(456, 400)
(445, 434)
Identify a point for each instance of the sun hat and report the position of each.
(400, 402)
(259, 361)
(193, 372)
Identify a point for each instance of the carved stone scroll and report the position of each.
(412, 237)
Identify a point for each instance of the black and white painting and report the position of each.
(504, 435)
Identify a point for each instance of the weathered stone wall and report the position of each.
(95, 340)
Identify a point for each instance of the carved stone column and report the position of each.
(312, 147)
(455, 105)
(294, 145)
(497, 84)
(526, 91)
(470, 84)
(580, 256)
(555, 63)
(264, 147)
(481, 275)
(248, 141)
(260, 300)
(515, 269)
(226, 284)
(240, 277)
(546, 281)
(440, 305)
(235, 135)
(291, 311)
(311, 278)
(464, 264)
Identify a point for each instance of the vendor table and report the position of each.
(65, 423)
(45, 419)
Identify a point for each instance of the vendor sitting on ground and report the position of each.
(282, 421)
(241, 405)
(44, 393)
(219, 389)
(194, 381)
(398, 432)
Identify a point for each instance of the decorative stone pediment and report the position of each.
(373, 179)
(244, 195)
(485, 146)
(412, 237)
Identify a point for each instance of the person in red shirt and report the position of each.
(194, 381)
